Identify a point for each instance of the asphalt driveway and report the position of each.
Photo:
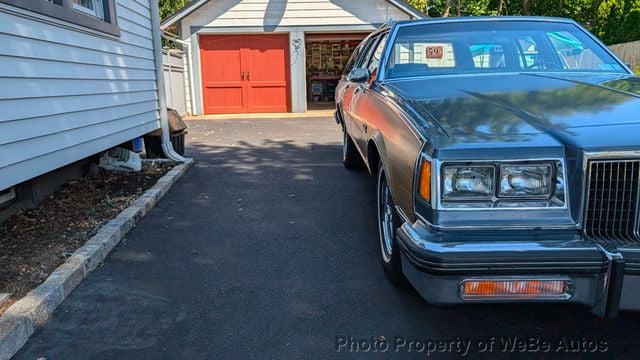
(267, 248)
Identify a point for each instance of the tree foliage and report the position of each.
(168, 7)
(614, 21)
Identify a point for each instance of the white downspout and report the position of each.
(186, 49)
(167, 35)
(167, 147)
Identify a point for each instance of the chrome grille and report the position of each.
(612, 200)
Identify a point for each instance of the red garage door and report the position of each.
(245, 73)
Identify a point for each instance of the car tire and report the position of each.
(350, 157)
(388, 223)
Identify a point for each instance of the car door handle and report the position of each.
(358, 89)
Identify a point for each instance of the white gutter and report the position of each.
(167, 147)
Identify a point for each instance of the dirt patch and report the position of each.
(35, 243)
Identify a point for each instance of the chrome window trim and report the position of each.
(391, 39)
(471, 75)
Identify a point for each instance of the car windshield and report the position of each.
(494, 47)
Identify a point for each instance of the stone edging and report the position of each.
(20, 320)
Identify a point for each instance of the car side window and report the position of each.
(377, 54)
(352, 60)
(528, 51)
(366, 51)
(488, 56)
(574, 54)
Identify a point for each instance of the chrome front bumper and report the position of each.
(436, 263)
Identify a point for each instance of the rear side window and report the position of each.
(574, 54)
(352, 60)
(365, 51)
(377, 54)
(529, 56)
(488, 56)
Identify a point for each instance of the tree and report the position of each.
(631, 26)
(447, 8)
(614, 21)
(168, 7)
(526, 10)
(501, 6)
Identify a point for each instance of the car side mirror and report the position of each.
(359, 75)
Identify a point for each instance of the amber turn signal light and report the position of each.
(425, 181)
(513, 289)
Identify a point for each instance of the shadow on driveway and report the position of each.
(267, 248)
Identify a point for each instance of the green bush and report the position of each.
(637, 70)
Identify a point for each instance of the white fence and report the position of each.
(175, 81)
(629, 52)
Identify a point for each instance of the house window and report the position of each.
(91, 7)
(94, 14)
(7, 196)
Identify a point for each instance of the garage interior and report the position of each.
(326, 57)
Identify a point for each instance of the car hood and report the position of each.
(544, 110)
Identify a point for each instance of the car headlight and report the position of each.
(468, 182)
(503, 185)
(525, 180)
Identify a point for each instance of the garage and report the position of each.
(326, 57)
(272, 56)
(245, 73)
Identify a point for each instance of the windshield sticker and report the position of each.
(435, 52)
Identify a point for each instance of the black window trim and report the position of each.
(353, 60)
(382, 37)
(364, 54)
(63, 10)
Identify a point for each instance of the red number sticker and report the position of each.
(435, 52)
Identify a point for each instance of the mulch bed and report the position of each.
(35, 243)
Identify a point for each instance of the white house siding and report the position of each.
(66, 94)
(295, 17)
